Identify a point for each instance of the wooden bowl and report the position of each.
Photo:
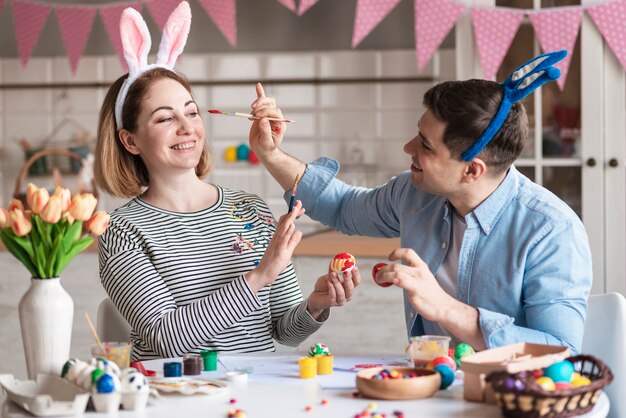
(426, 384)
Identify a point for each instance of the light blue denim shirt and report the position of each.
(525, 261)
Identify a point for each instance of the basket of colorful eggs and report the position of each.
(564, 389)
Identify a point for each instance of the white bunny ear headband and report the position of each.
(136, 43)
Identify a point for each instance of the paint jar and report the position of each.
(325, 364)
(172, 369)
(308, 367)
(209, 360)
(192, 364)
(117, 352)
(424, 348)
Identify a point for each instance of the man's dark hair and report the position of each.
(467, 107)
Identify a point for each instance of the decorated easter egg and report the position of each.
(563, 385)
(106, 365)
(66, 366)
(133, 381)
(441, 360)
(375, 270)
(560, 371)
(230, 154)
(463, 350)
(513, 383)
(107, 383)
(318, 349)
(252, 158)
(242, 152)
(342, 263)
(546, 383)
(447, 375)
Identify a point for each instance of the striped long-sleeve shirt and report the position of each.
(178, 279)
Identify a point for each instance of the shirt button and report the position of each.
(444, 245)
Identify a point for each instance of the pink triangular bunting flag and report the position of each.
(111, 19)
(305, 5)
(494, 30)
(290, 4)
(75, 25)
(609, 18)
(28, 19)
(369, 13)
(224, 14)
(557, 28)
(161, 10)
(433, 21)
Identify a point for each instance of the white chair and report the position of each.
(605, 338)
(111, 325)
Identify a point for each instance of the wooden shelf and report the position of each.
(329, 243)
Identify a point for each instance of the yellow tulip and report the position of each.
(39, 200)
(15, 204)
(65, 195)
(52, 212)
(82, 206)
(31, 189)
(19, 223)
(98, 223)
(5, 218)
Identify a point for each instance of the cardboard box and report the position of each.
(510, 358)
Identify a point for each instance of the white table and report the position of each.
(286, 395)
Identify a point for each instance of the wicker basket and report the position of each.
(529, 400)
(39, 156)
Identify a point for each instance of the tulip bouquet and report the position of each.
(50, 233)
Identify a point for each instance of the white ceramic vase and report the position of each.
(46, 315)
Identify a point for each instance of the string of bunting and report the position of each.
(494, 27)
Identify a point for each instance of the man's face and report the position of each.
(433, 168)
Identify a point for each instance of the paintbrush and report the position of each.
(292, 200)
(247, 116)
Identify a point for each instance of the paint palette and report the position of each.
(188, 385)
(47, 396)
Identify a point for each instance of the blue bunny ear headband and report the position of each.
(523, 81)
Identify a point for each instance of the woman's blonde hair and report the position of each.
(117, 171)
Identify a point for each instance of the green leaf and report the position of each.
(42, 231)
(78, 246)
(40, 255)
(18, 252)
(52, 258)
(25, 244)
(72, 235)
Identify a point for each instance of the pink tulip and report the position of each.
(39, 200)
(5, 218)
(65, 195)
(19, 223)
(98, 223)
(15, 204)
(82, 206)
(52, 212)
(31, 189)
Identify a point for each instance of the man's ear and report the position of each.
(474, 170)
(126, 138)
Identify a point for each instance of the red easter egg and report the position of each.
(252, 158)
(449, 361)
(342, 263)
(563, 385)
(375, 270)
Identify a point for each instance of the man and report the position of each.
(488, 257)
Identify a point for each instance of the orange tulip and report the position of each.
(5, 218)
(38, 200)
(68, 217)
(19, 223)
(82, 206)
(15, 204)
(52, 212)
(31, 189)
(65, 195)
(98, 223)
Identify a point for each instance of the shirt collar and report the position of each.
(488, 212)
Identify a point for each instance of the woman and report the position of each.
(192, 265)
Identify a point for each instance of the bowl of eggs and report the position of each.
(398, 383)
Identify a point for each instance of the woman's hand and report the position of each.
(278, 252)
(265, 136)
(330, 291)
